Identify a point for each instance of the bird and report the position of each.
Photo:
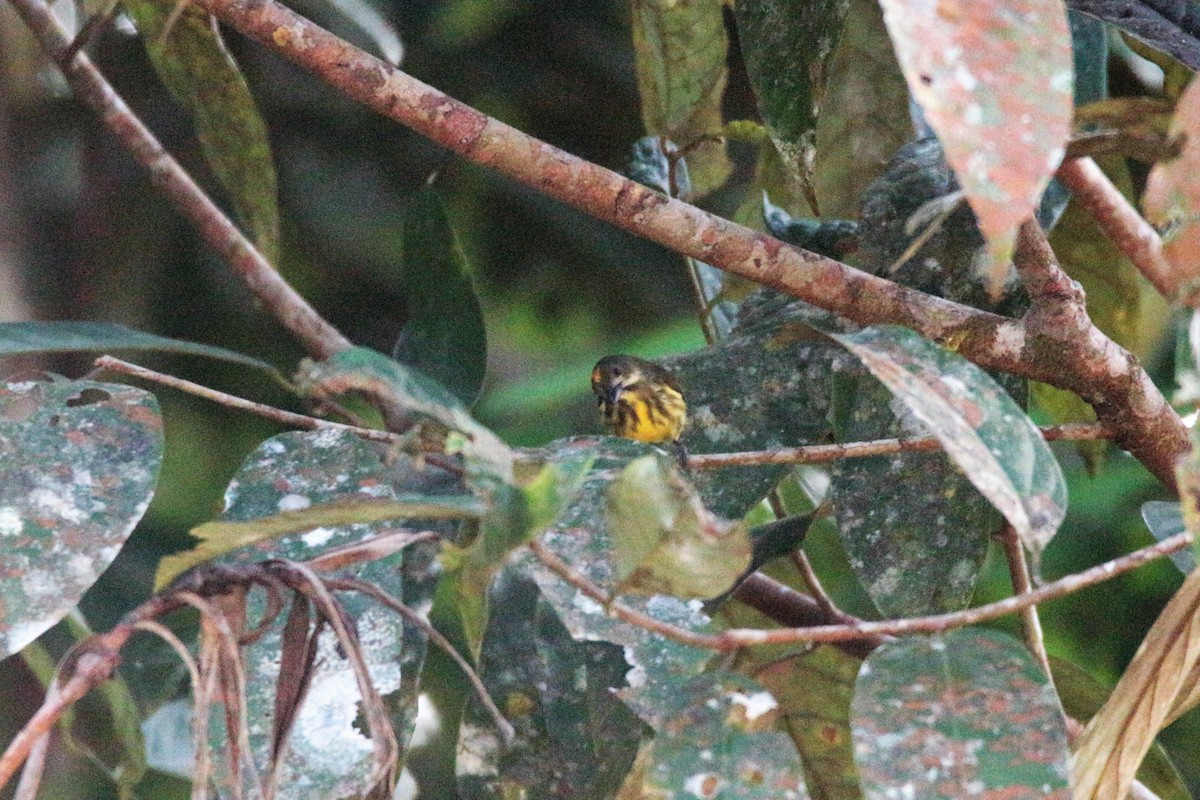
(639, 400)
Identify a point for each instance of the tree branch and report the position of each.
(1078, 359)
(1120, 221)
(318, 337)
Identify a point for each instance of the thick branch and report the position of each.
(319, 338)
(1083, 361)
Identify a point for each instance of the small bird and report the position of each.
(639, 400)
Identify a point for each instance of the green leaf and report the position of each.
(21, 338)
(443, 334)
(199, 71)
(974, 700)
(580, 537)
(79, 461)
(814, 690)
(787, 47)
(720, 741)
(558, 694)
(664, 540)
(864, 116)
(983, 430)
(680, 48)
(995, 83)
(915, 530)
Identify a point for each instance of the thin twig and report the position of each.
(289, 418)
(35, 767)
(742, 637)
(286, 305)
(1120, 221)
(507, 733)
(821, 453)
(1018, 569)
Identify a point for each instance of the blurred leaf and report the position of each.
(571, 731)
(814, 689)
(1082, 696)
(328, 753)
(103, 726)
(218, 538)
(994, 80)
(719, 742)
(864, 118)
(998, 448)
(367, 19)
(834, 238)
(965, 713)
(1160, 684)
(1089, 52)
(20, 338)
(1149, 24)
(79, 461)
(443, 335)
(664, 540)
(199, 71)
(1164, 521)
(787, 48)
(1176, 74)
(517, 515)
(1172, 198)
(679, 49)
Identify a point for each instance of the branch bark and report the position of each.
(1078, 357)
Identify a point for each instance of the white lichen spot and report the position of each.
(937, 645)
(272, 447)
(82, 477)
(964, 78)
(1063, 82)
(39, 583)
(635, 677)
(49, 501)
(1009, 339)
(293, 502)
(11, 523)
(755, 705)
(326, 438)
(81, 568)
(325, 733)
(706, 755)
(973, 114)
(586, 605)
(317, 536)
(704, 785)
(1055, 157)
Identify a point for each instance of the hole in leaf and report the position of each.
(88, 397)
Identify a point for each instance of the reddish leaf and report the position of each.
(994, 78)
(1172, 197)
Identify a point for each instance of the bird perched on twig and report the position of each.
(640, 400)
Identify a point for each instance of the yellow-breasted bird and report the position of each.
(639, 400)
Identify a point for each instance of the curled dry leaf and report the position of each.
(1159, 685)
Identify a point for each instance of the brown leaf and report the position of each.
(1172, 198)
(1158, 686)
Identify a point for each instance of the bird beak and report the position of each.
(612, 395)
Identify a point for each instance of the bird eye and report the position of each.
(616, 371)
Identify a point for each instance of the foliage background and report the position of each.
(82, 236)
